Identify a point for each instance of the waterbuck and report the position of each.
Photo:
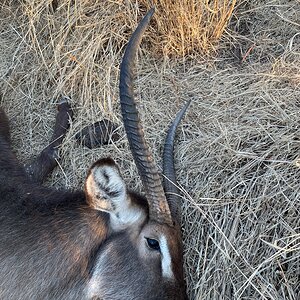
(105, 242)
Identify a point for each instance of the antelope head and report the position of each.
(142, 256)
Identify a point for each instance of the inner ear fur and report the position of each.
(106, 191)
(104, 186)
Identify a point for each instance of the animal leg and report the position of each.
(9, 165)
(100, 133)
(43, 165)
(4, 126)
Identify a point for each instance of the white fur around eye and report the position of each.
(166, 260)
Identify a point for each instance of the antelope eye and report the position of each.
(153, 244)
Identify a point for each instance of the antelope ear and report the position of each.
(105, 188)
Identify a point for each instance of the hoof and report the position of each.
(63, 106)
(63, 99)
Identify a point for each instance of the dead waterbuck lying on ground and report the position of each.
(104, 243)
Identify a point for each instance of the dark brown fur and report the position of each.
(53, 243)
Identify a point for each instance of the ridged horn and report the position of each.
(170, 181)
(158, 206)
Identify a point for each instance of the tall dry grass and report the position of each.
(79, 44)
(179, 27)
(184, 27)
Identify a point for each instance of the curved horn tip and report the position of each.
(186, 105)
(151, 12)
(169, 181)
(158, 206)
(147, 17)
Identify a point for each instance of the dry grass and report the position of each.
(185, 27)
(238, 149)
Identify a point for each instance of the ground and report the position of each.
(237, 151)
